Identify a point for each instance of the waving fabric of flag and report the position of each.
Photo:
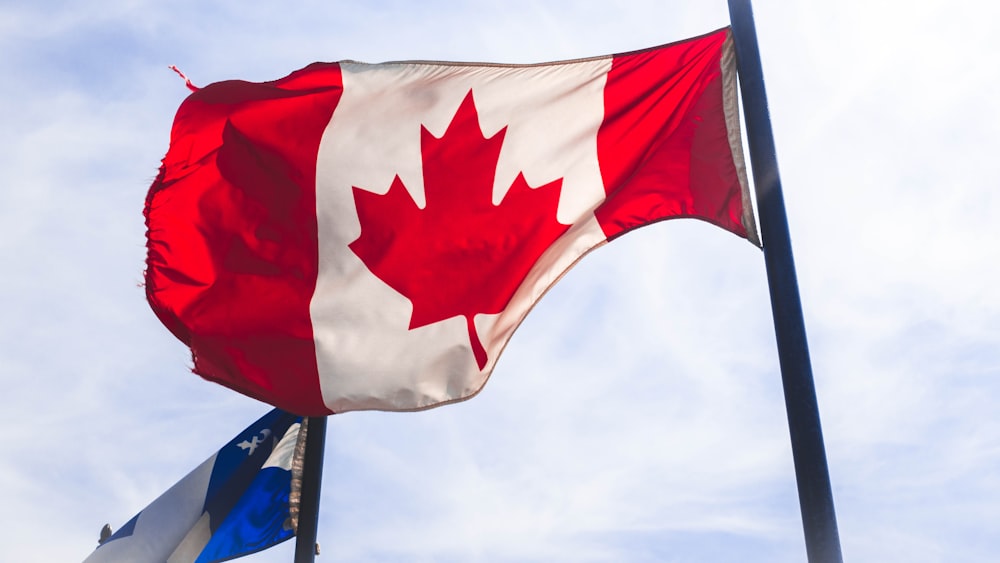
(233, 504)
(357, 236)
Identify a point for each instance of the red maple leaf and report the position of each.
(460, 255)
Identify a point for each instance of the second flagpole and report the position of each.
(312, 477)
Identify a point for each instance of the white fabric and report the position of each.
(163, 525)
(284, 450)
(552, 115)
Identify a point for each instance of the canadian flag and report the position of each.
(356, 236)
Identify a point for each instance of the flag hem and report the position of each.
(731, 108)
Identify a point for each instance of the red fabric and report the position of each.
(663, 147)
(232, 245)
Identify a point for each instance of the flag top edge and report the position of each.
(546, 63)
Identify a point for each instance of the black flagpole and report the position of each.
(312, 476)
(819, 521)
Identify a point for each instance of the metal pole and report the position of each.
(312, 476)
(819, 520)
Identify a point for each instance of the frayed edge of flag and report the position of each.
(187, 81)
(298, 465)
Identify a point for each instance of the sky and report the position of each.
(637, 414)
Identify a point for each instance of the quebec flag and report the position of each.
(234, 504)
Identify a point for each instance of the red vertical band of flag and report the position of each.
(232, 245)
(664, 146)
